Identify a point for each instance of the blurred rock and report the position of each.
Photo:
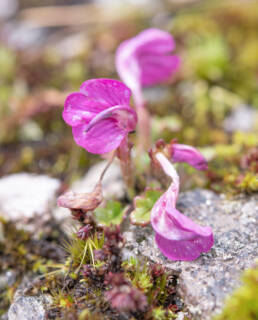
(29, 308)
(26, 307)
(243, 118)
(7, 279)
(205, 282)
(24, 35)
(138, 3)
(72, 45)
(25, 196)
(8, 8)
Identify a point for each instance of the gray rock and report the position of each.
(8, 8)
(7, 279)
(26, 196)
(25, 307)
(243, 118)
(204, 283)
(29, 308)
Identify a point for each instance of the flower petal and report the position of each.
(188, 154)
(177, 236)
(154, 41)
(156, 69)
(103, 137)
(145, 60)
(126, 117)
(78, 109)
(106, 92)
(186, 250)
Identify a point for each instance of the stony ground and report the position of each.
(203, 284)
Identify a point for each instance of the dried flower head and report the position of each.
(81, 201)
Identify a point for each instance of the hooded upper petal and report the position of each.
(177, 236)
(106, 92)
(188, 154)
(146, 59)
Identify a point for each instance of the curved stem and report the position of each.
(107, 166)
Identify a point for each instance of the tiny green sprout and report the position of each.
(249, 183)
(159, 313)
(85, 314)
(130, 264)
(111, 214)
(143, 205)
(73, 275)
(61, 299)
(82, 251)
(138, 273)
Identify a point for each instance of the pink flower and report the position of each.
(190, 155)
(100, 115)
(146, 60)
(178, 237)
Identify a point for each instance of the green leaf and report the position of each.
(111, 214)
(143, 205)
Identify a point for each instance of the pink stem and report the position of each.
(124, 155)
(144, 128)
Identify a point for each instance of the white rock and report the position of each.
(243, 118)
(25, 195)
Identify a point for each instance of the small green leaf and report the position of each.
(111, 214)
(143, 205)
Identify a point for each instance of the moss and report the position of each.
(20, 252)
(243, 304)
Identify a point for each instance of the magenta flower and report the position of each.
(190, 155)
(178, 237)
(100, 115)
(146, 60)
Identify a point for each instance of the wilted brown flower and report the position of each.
(82, 201)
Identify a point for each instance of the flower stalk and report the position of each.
(126, 165)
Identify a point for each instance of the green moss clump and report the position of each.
(243, 305)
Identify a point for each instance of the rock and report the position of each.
(243, 118)
(8, 8)
(7, 279)
(26, 196)
(29, 308)
(204, 283)
(25, 307)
